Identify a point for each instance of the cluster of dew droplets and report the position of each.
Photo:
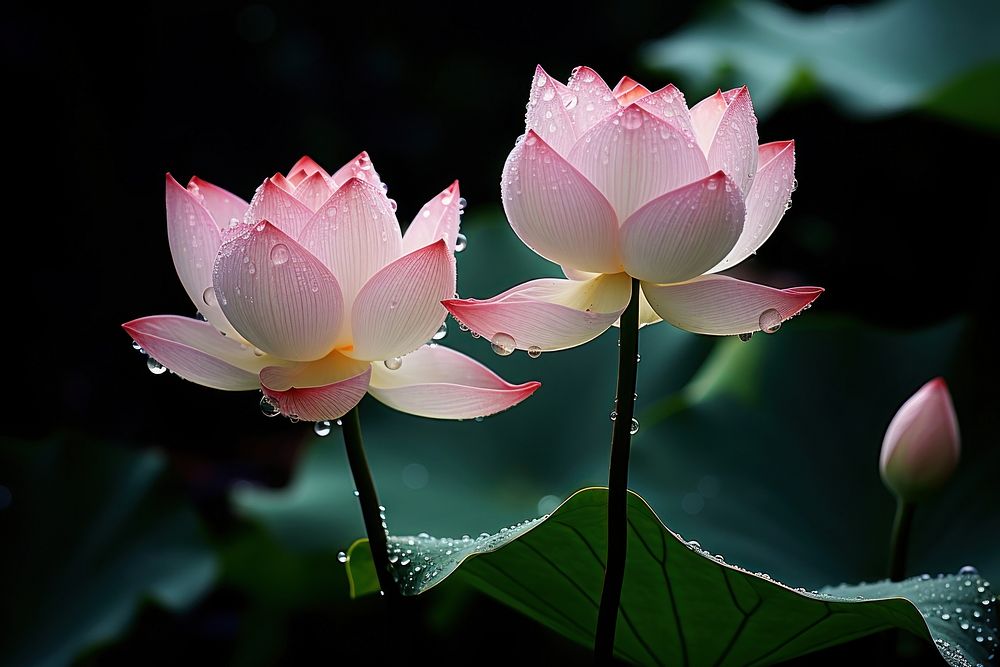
(325, 427)
(419, 562)
(461, 242)
(154, 366)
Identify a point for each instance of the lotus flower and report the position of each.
(614, 184)
(312, 295)
(921, 446)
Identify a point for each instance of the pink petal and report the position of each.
(323, 389)
(354, 234)
(668, 103)
(197, 352)
(280, 208)
(547, 114)
(556, 211)
(633, 157)
(277, 295)
(303, 169)
(313, 191)
(766, 201)
(724, 306)
(593, 101)
(438, 219)
(705, 117)
(440, 383)
(283, 183)
(550, 314)
(683, 233)
(399, 308)
(222, 204)
(361, 168)
(734, 148)
(194, 241)
(628, 91)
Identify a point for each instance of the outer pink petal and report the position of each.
(550, 314)
(277, 295)
(354, 234)
(633, 157)
(303, 169)
(438, 219)
(399, 308)
(724, 306)
(734, 148)
(313, 191)
(628, 90)
(556, 211)
(194, 241)
(547, 114)
(195, 351)
(766, 202)
(440, 383)
(279, 207)
(283, 183)
(361, 168)
(222, 204)
(668, 103)
(681, 234)
(318, 390)
(593, 101)
(705, 118)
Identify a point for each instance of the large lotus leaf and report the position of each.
(91, 531)
(680, 604)
(871, 60)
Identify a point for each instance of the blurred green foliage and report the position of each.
(942, 57)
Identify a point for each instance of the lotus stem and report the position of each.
(900, 539)
(621, 443)
(371, 510)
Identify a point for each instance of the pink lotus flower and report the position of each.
(921, 447)
(313, 295)
(613, 184)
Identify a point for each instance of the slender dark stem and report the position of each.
(900, 539)
(621, 442)
(371, 511)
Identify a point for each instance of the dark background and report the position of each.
(895, 215)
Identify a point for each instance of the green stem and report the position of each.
(371, 511)
(900, 539)
(621, 442)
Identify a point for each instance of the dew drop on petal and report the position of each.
(269, 407)
(279, 254)
(570, 102)
(969, 570)
(322, 429)
(209, 297)
(770, 321)
(534, 351)
(461, 243)
(394, 363)
(632, 119)
(746, 336)
(503, 344)
(441, 332)
(155, 367)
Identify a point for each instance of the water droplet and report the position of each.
(534, 351)
(503, 344)
(341, 557)
(441, 332)
(945, 616)
(155, 367)
(969, 570)
(770, 321)
(548, 94)
(137, 347)
(279, 254)
(746, 336)
(394, 363)
(632, 119)
(251, 268)
(461, 243)
(613, 415)
(541, 81)
(635, 426)
(479, 419)
(570, 102)
(208, 296)
(322, 429)
(269, 407)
